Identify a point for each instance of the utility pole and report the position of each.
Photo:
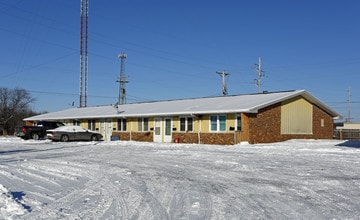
(122, 80)
(348, 116)
(223, 74)
(260, 74)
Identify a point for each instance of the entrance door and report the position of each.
(158, 130)
(168, 130)
(106, 129)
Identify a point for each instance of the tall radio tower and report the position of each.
(84, 8)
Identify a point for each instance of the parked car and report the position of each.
(72, 133)
(38, 131)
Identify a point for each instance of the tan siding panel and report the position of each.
(296, 117)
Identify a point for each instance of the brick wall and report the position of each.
(135, 136)
(188, 137)
(265, 127)
(205, 138)
(325, 132)
(217, 138)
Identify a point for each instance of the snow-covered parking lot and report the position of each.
(297, 179)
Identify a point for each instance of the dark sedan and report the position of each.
(72, 133)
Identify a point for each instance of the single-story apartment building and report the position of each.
(254, 118)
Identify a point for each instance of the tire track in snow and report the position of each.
(188, 197)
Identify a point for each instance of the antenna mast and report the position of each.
(261, 74)
(349, 95)
(223, 74)
(84, 7)
(122, 80)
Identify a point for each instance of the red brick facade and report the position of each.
(135, 136)
(265, 126)
(205, 138)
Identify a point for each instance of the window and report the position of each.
(91, 125)
(76, 122)
(186, 124)
(238, 123)
(218, 123)
(121, 124)
(143, 124)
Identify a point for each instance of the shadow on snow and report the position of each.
(354, 144)
(18, 196)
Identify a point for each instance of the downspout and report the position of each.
(130, 131)
(199, 130)
(199, 136)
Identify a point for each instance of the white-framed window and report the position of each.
(121, 124)
(217, 123)
(186, 124)
(76, 122)
(143, 124)
(238, 122)
(91, 125)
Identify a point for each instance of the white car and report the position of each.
(72, 133)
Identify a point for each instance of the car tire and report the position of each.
(94, 138)
(64, 138)
(35, 136)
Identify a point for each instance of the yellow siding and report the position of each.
(151, 123)
(176, 123)
(230, 121)
(296, 117)
(114, 124)
(196, 124)
(205, 123)
(131, 124)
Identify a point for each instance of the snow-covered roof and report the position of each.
(250, 103)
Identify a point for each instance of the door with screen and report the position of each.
(168, 130)
(157, 130)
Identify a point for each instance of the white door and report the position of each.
(158, 130)
(168, 130)
(106, 129)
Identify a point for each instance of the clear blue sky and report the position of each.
(174, 49)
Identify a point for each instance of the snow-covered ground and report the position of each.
(297, 179)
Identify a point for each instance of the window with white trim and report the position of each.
(143, 124)
(186, 124)
(91, 125)
(121, 126)
(217, 123)
(238, 122)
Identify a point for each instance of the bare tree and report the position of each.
(14, 105)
